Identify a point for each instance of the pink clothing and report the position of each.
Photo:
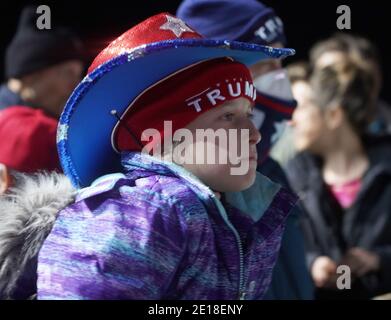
(347, 193)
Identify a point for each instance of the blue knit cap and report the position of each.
(240, 20)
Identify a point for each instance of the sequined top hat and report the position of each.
(142, 56)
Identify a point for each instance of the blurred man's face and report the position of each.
(266, 66)
(273, 85)
(55, 84)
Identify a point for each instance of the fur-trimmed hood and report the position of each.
(27, 214)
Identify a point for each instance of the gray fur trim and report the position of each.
(27, 214)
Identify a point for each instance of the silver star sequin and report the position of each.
(177, 26)
(62, 132)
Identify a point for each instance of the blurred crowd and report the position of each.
(325, 135)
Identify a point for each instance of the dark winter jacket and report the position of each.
(291, 279)
(331, 231)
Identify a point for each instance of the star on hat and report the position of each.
(177, 26)
(151, 51)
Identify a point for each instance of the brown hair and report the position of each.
(348, 84)
(354, 47)
(299, 71)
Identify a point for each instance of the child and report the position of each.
(157, 229)
(253, 22)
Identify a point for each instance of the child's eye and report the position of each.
(228, 116)
(250, 115)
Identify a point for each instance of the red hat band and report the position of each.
(181, 98)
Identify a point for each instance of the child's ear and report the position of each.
(5, 179)
(334, 117)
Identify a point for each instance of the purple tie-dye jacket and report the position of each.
(157, 232)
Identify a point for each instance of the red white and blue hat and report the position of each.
(141, 57)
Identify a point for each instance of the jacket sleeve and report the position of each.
(382, 281)
(385, 264)
(297, 172)
(312, 248)
(116, 251)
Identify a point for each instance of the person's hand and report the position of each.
(324, 271)
(361, 261)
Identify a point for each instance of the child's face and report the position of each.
(233, 163)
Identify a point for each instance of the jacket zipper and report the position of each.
(189, 177)
(241, 293)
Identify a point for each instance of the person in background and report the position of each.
(253, 22)
(334, 49)
(298, 73)
(42, 67)
(343, 177)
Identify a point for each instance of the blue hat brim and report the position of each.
(86, 124)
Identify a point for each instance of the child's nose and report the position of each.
(255, 135)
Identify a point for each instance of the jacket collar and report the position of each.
(139, 165)
(254, 201)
